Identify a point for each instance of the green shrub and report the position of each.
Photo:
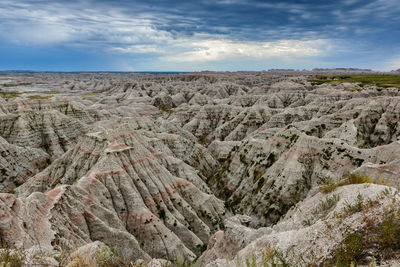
(350, 252)
(356, 207)
(11, 257)
(356, 178)
(326, 205)
(389, 231)
(269, 257)
(109, 257)
(328, 186)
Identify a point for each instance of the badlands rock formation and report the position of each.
(224, 169)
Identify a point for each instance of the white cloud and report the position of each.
(382, 9)
(52, 23)
(137, 49)
(214, 49)
(38, 34)
(115, 31)
(109, 28)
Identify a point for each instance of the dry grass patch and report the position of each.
(354, 178)
(11, 257)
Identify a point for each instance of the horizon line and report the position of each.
(196, 71)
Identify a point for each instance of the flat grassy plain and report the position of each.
(9, 94)
(14, 84)
(381, 80)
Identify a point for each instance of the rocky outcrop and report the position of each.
(50, 126)
(163, 101)
(121, 185)
(17, 164)
(314, 232)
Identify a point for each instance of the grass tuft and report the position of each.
(389, 231)
(11, 257)
(354, 178)
(328, 186)
(350, 252)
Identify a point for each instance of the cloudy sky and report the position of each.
(184, 35)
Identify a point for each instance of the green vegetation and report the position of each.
(11, 257)
(326, 205)
(91, 94)
(350, 252)
(389, 231)
(381, 80)
(14, 84)
(39, 96)
(165, 110)
(270, 257)
(182, 264)
(109, 257)
(322, 209)
(50, 92)
(9, 94)
(354, 178)
(379, 234)
(328, 186)
(356, 207)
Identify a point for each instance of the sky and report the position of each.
(184, 35)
